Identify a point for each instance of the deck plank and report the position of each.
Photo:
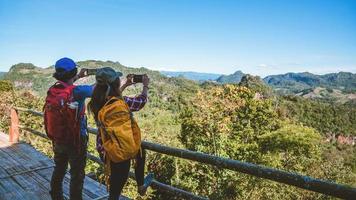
(26, 173)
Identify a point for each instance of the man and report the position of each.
(66, 126)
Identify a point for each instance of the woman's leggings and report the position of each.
(120, 172)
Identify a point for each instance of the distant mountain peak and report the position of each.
(21, 66)
(232, 78)
(238, 72)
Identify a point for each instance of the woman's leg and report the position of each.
(118, 178)
(140, 167)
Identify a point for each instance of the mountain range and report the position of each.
(296, 82)
(286, 83)
(29, 76)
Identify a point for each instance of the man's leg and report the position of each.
(61, 164)
(77, 161)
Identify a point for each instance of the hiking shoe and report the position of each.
(146, 183)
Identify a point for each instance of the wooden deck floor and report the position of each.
(25, 174)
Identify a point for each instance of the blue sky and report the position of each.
(258, 37)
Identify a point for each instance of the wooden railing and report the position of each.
(281, 176)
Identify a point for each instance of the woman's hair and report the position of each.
(99, 96)
(64, 76)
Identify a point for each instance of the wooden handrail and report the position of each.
(281, 176)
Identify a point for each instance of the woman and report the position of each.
(108, 92)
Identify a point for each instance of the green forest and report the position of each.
(246, 121)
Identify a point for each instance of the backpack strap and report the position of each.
(62, 83)
(111, 100)
(100, 125)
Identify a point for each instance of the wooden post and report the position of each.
(14, 127)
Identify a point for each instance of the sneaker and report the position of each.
(146, 183)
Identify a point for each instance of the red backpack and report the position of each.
(61, 119)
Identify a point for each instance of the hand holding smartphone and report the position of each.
(137, 78)
(89, 72)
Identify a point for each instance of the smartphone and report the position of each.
(90, 72)
(137, 78)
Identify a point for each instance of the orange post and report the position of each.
(14, 133)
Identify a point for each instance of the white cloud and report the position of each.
(262, 65)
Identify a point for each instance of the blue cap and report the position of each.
(65, 64)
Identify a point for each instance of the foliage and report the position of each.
(226, 113)
(256, 84)
(6, 86)
(6, 98)
(295, 147)
(228, 121)
(326, 117)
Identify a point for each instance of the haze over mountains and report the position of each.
(196, 76)
(2, 74)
